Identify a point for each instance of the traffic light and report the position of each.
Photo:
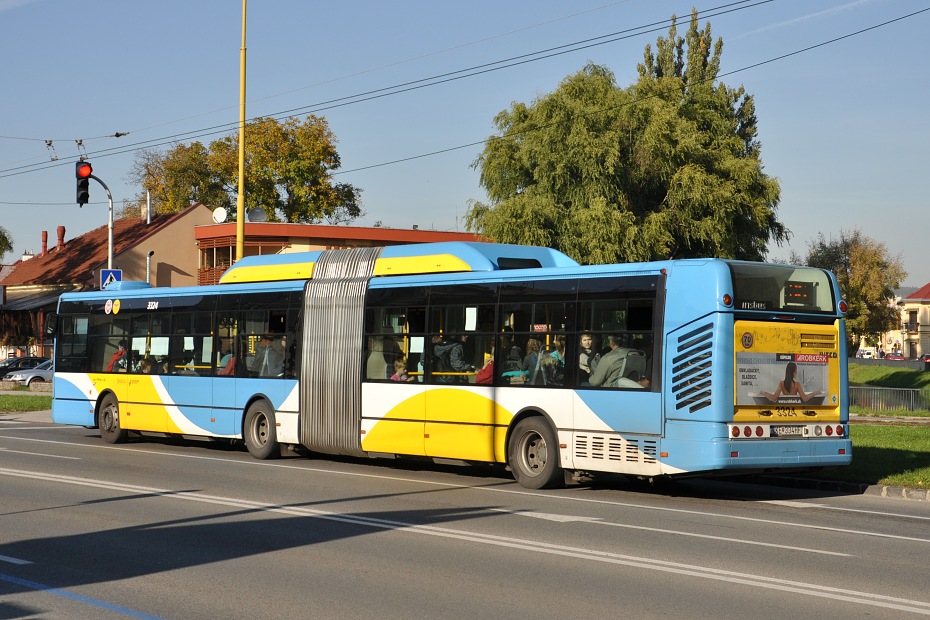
(82, 172)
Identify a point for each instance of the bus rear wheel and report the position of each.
(260, 432)
(533, 455)
(108, 421)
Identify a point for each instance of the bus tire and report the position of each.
(108, 421)
(260, 432)
(533, 455)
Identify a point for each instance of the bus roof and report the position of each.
(421, 258)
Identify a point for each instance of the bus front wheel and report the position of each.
(533, 455)
(108, 421)
(260, 432)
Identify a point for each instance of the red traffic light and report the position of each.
(83, 170)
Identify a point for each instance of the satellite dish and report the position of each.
(219, 215)
(257, 215)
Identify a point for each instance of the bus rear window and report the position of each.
(784, 288)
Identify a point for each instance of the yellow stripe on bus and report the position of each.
(268, 273)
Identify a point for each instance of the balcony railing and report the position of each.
(910, 328)
(210, 275)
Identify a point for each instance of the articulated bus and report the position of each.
(476, 353)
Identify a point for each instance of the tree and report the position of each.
(867, 277)
(667, 168)
(289, 170)
(176, 179)
(6, 242)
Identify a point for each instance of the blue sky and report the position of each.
(843, 126)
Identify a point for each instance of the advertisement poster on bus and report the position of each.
(781, 366)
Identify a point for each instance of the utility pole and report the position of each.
(240, 198)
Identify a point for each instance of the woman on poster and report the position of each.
(790, 386)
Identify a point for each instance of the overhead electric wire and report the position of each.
(601, 111)
(378, 93)
(403, 87)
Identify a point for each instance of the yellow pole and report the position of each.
(240, 197)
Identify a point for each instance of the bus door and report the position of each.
(460, 412)
(145, 406)
(623, 323)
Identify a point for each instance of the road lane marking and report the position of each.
(51, 456)
(792, 504)
(521, 545)
(595, 520)
(9, 560)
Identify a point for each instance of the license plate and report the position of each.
(788, 431)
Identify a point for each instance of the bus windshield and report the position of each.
(785, 288)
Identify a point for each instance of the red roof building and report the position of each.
(217, 242)
(179, 249)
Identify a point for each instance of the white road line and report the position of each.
(792, 504)
(740, 541)
(37, 428)
(9, 560)
(51, 456)
(518, 544)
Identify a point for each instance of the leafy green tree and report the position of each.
(867, 276)
(666, 168)
(176, 179)
(289, 169)
(6, 242)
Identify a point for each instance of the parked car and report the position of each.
(924, 358)
(895, 357)
(17, 363)
(28, 376)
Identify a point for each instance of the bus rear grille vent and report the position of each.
(821, 342)
(615, 448)
(692, 369)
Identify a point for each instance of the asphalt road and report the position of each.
(169, 529)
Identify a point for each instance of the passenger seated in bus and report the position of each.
(513, 355)
(224, 359)
(610, 366)
(227, 364)
(269, 360)
(485, 376)
(118, 361)
(553, 363)
(145, 366)
(587, 358)
(449, 360)
(400, 372)
(533, 347)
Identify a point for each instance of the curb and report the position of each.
(849, 488)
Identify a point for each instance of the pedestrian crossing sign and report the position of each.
(109, 276)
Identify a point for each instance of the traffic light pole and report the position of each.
(110, 225)
(83, 171)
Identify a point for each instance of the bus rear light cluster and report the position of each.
(748, 431)
(786, 431)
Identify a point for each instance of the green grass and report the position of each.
(888, 376)
(27, 402)
(893, 455)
